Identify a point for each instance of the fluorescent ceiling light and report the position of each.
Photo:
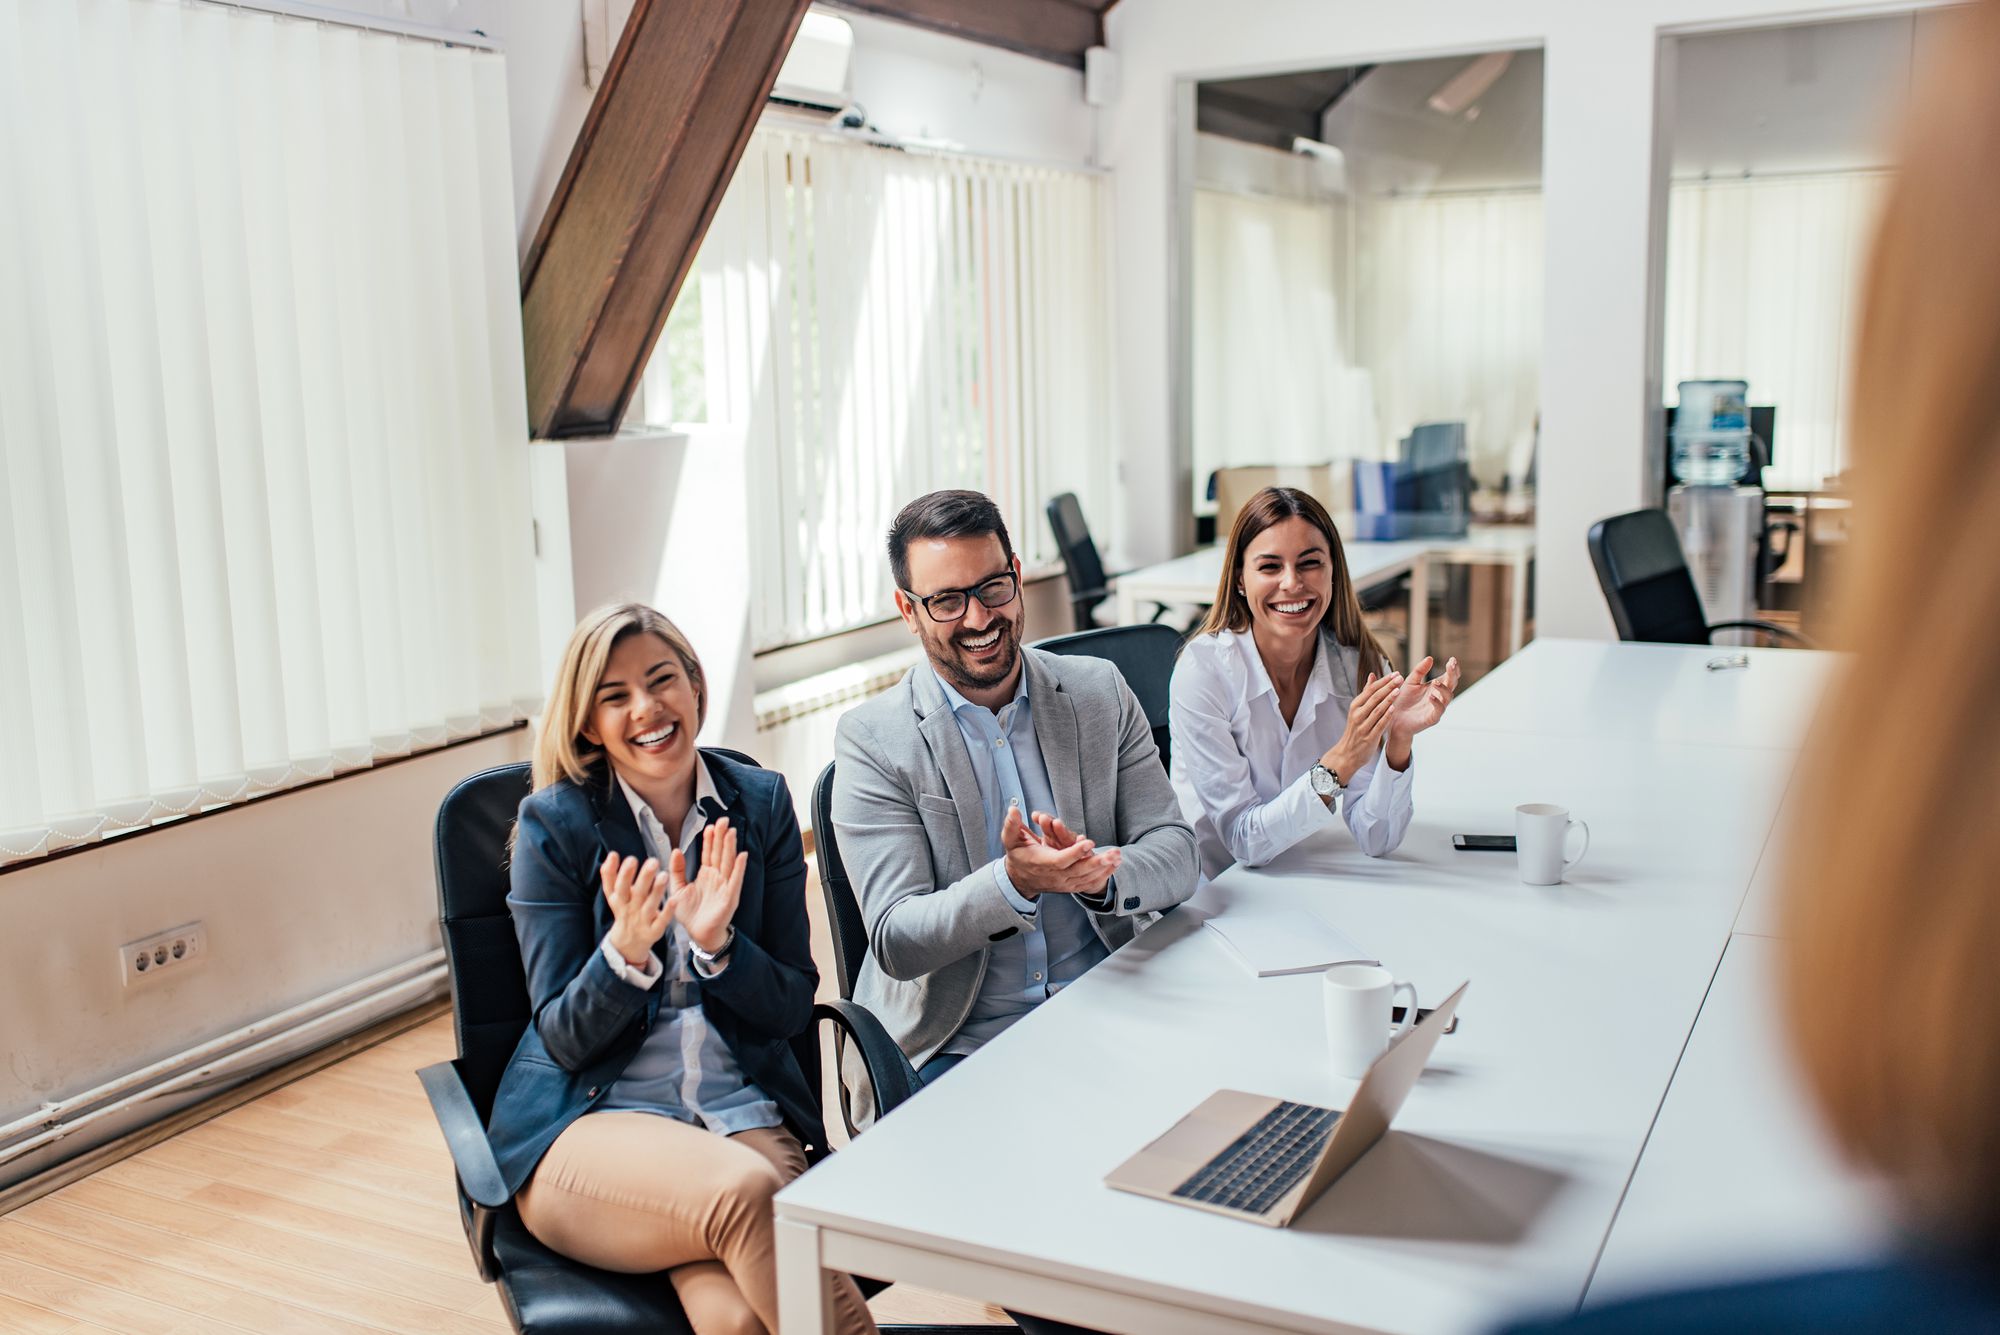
(1470, 84)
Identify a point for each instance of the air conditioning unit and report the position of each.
(817, 68)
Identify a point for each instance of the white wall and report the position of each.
(1599, 181)
(301, 893)
(925, 85)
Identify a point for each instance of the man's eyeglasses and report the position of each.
(948, 605)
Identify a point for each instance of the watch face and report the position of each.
(1324, 782)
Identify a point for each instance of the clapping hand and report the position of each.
(1055, 861)
(639, 910)
(1419, 704)
(706, 904)
(1368, 716)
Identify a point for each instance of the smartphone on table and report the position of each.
(1483, 843)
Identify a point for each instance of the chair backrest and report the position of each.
(1144, 656)
(1645, 578)
(489, 989)
(1081, 562)
(843, 910)
(490, 1006)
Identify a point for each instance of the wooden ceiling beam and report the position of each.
(664, 134)
(1053, 30)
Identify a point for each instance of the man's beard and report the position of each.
(964, 676)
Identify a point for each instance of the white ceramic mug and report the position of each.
(1358, 998)
(1541, 841)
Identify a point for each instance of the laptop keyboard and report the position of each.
(1255, 1171)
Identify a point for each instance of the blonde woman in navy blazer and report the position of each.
(655, 1105)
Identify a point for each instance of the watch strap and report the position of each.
(728, 943)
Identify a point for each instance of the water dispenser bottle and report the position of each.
(1712, 432)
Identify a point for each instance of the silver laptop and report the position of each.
(1265, 1159)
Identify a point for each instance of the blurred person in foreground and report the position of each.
(1890, 994)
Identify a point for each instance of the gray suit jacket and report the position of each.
(912, 833)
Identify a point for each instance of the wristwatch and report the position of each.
(728, 941)
(1324, 781)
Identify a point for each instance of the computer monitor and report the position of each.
(1763, 447)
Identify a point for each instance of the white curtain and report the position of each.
(881, 324)
(1449, 295)
(1763, 284)
(1273, 382)
(263, 477)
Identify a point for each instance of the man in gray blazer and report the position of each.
(1002, 812)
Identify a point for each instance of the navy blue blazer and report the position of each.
(1900, 1296)
(588, 1023)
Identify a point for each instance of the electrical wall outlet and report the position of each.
(171, 954)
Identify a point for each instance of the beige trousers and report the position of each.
(634, 1192)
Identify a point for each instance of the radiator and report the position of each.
(795, 722)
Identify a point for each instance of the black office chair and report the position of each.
(545, 1293)
(1144, 656)
(1644, 575)
(843, 908)
(1082, 566)
(1081, 563)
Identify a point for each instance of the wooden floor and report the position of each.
(324, 1205)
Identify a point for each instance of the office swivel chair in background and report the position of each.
(543, 1291)
(1082, 566)
(1647, 585)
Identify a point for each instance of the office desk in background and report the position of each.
(1503, 1180)
(1193, 578)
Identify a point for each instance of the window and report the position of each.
(263, 475)
(879, 324)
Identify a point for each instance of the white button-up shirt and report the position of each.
(1243, 774)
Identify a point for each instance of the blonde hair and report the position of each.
(561, 750)
(1891, 988)
(1231, 610)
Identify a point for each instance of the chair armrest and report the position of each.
(1766, 627)
(465, 1135)
(888, 1069)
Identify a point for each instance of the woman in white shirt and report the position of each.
(1284, 704)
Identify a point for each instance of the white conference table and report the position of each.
(1193, 578)
(1662, 692)
(1502, 1181)
(1738, 1179)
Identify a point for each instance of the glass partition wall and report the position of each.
(1778, 144)
(1363, 256)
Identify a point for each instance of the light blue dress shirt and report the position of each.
(1057, 942)
(683, 1069)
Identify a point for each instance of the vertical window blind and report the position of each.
(263, 474)
(1326, 330)
(1450, 301)
(1764, 283)
(1273, 379)
(879, 324)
